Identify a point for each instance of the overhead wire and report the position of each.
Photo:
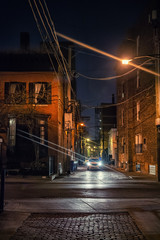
(86, 53)
(56, 145)
(54, 51)
(106, 53)
(56, 40)
(50, 41)
(117, 104)
(119, 76)
(115, 77)
(40, 31)
(53, 125)
(45, 145)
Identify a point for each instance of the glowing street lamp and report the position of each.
(125, 61)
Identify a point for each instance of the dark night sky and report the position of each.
(102, 24)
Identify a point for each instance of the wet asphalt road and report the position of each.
(105, 183)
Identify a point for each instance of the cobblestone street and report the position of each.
(72, 226)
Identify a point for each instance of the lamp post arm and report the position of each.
(105, 53)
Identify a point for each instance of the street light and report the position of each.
(149, 58)
(125, 61)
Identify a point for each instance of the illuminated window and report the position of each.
(138, 143)
(138, 167)
(40, 93)
(15, 93)
(138, 111)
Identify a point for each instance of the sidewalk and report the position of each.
(144, 215)
(134, 175)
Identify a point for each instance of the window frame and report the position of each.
(138, 111)
(138, 143)
(16, 95)
(123, 145)
(40, 97)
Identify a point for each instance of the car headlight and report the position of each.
(99, 164)
(88, 164)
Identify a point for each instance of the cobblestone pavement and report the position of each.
(72, 226)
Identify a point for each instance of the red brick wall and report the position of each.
(55, 109)
(145, 94)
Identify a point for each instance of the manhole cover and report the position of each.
(71, 226)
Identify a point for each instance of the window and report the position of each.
(15, 93)
(138, 143)
(138, 111)
(138, 167)
(40, 93)
(123, 144)
(144, 144)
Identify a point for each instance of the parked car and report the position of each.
(94, 163)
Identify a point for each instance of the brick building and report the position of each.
(137, 116)
(38, 109)
(105, 120)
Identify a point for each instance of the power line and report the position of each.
(106, 54)
(56, 40)
(57, 150)
(44, 39)
(54, 36)
(56, 145)
(118, 76)
(118, 104)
